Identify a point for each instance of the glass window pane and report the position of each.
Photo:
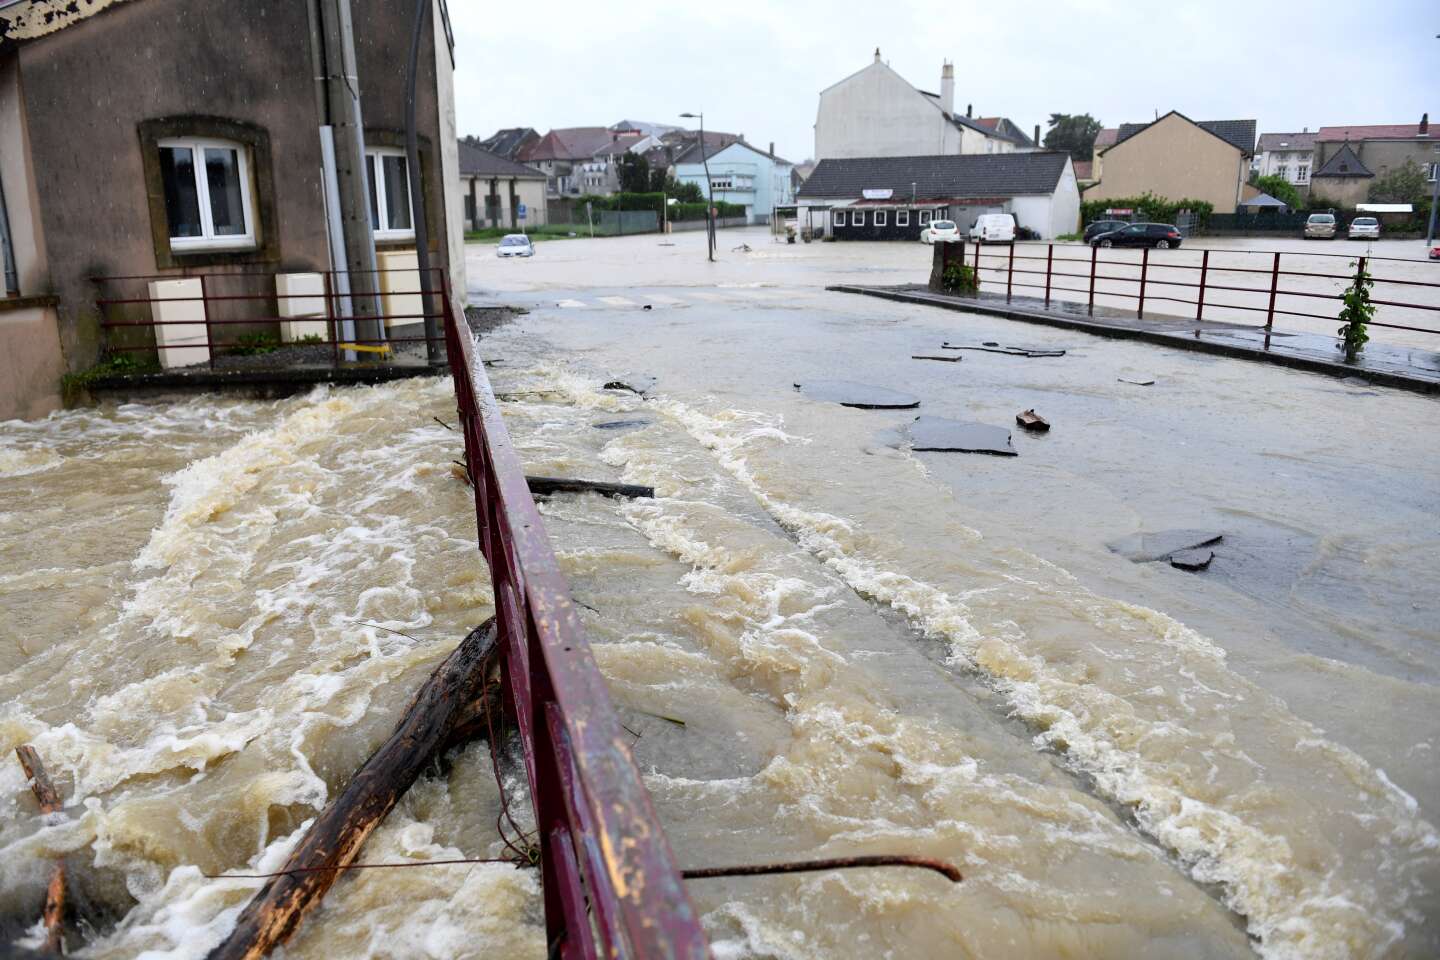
(397, 193)
(222, 176)
(182, 204)
(374, 205)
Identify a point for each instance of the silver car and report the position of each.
(1364, 228)
(515, 245)
(1320, 226)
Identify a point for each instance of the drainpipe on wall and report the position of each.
(434, 347)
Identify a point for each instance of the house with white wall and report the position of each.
(741, 174)
(1287, 155)
(877, 113)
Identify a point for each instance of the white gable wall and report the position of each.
(876, 113)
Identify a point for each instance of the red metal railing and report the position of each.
(256, 310)
(611, 885)
(1223, 281)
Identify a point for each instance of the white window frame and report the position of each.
(1433, 171)
(902, 218)
(839, 218)
(881, 217)
(924, 218)
(1302, 173)
(857, 218)
(208, 239)
(376, 168)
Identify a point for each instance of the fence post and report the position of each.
(1049, 263)
(1010, 271)
(1094, 251)
(205, 308)
(1144, 268)
(1204, 268)
(1274, 284)
(332, 326)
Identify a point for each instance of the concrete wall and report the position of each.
(1342, 192)
(529, 192)
(876, 113)
(1382, 156)
(1174, 159)
(86, 90)
(30, 360)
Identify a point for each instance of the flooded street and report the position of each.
(822, 642)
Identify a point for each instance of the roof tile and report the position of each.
(948, 176)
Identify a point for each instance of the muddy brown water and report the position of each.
(867, 649)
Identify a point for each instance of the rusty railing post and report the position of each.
(332, 326)
(1010, 271)
(1049, 265)
(1274, 285)
(205, 308)
(1204, 269)
(1094, 252)
(1144, 267)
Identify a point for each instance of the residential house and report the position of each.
(1084, 173)
(600, 175)
(741, 174)
(497, 191)
(562, 154)
(1007, 129)
(1287, 155)
(130, 146)
(877, 113)
(661, 157)
(1343, 179)
(894, 198)
(1379, 150)
(509, 141)
(1177, 158)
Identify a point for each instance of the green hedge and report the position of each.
(1149, 208)
(656, 202)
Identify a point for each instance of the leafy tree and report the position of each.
(687, 192)
(1073, 133)
(634, 173)
(1404, 184)
(1281, 189)
(1356, 313)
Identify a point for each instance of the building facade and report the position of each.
(497, 191)
(220, 172)
(740, 174)
(877, 113)
(1381, 149)
(1286, 155)
(1177, 158)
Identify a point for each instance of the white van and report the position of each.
(994, 228)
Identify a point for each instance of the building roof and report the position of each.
(1302, 141)
(1263, 200)
(568, 143)
(1084, 169)
(643, 127)
(946, 176)
(1238, 133)
(1386, 131)
(1106, 137)
(1006, 128)
(1344, 163)
(475, 161)
(691, 154)
(509, 141)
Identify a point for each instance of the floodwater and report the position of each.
(823, 642)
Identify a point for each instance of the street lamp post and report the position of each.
(709, 189)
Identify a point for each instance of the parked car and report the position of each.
(993, 228)
(1320, 226)
(1159, 235)
(943, 231)
(515, 245)
(1103, 226)
(1364, 228)
(1435, 252)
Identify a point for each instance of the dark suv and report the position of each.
(1103, 226)
(1158, 235)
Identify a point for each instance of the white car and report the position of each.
(515, 245)
(943, 231)
(1364, 228)
(994, 228)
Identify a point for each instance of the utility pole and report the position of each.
(339, 80)
(709, 189)
(1434, 195)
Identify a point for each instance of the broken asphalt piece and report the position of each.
(862, 396)
(990, 346)
(636, 383)
(1138, 383)
(959, 436)
(622, 424)
(1144, 547)
(1031, 420)
(947, 357)
(1192, 559)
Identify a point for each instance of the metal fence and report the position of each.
(611, 885)
(1231, 285)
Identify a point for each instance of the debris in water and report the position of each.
(1031, 420)
(548, 485)
(1138, 383)
(49, 799)
(646, 307)
(990, 346)
(1144, 547)
(959, 436)
(948, 358)
(862, 396)
(622, 424)
(638, 383)
(1192, 559)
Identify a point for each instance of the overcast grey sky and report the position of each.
(757, 69)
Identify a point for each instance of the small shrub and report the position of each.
(114, 364)
(960, 278)
(1070, 236)
(311, 338)
(253, 344)
(1356, 313)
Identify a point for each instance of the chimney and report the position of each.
(1037, 134)
(1424, 130)
(969, 110)
(772, 148)
(947, 88)
(877, 54)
